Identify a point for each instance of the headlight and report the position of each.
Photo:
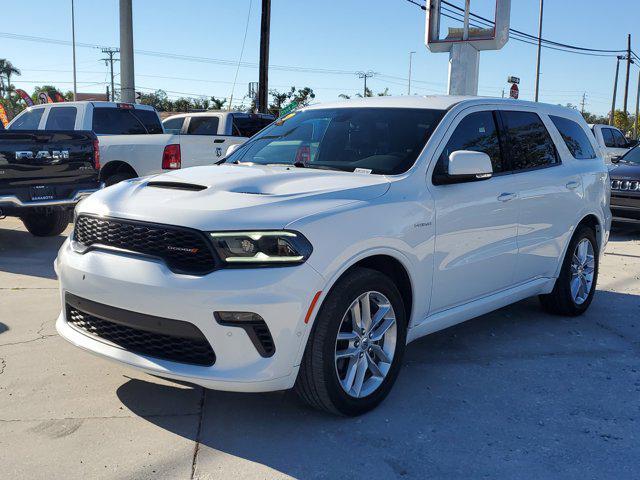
(262, 247)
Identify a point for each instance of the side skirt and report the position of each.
(461, 313)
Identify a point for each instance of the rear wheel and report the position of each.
(117, 178)
(355, 350)
(576, 284)
(47, 224)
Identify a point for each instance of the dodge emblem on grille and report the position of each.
(182, 249)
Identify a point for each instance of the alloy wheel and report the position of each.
(582, 271)
(366, 344)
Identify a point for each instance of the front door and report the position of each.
(476, 222)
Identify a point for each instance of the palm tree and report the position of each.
(7, 69)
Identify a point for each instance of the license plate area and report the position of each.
(42, 192)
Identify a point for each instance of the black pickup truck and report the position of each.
(43, 174)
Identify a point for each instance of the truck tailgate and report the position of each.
(47, 164)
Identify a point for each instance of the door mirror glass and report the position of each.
(466, 165)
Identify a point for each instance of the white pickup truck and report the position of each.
(132, 140)
(611, 140)
(215, 131)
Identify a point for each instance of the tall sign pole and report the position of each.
(73, 42)
(127, 77)
(465, 44)
(409, 82)
(263, 74)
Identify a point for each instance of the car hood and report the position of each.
(625, 171)
(234, 197)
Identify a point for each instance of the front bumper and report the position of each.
(281, 296)
(625, 207)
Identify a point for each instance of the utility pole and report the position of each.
(615, 89)
(635, 124)
(539, 51)
(73, 42)
(263, 74)
(109, 61)
(584, 98)
(626, 83)
(409, 83)
(503, 93)
(365, 75)
(127, 77)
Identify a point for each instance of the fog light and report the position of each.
(226, 318)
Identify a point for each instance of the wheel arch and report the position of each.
(116, 166)
(388, 263)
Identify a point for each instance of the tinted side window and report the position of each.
(28, 120)
(150, 120)
(173, 125)
(203, 126)
(530, 145)
(476, 132)
(619, 139)
(573, 135)
(116, 121)
(61, 118)
(249, 125)
(607, 135)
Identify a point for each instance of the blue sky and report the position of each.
(344, 36)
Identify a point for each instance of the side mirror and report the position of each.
(616, 159)
(466, 165)
(233, 148)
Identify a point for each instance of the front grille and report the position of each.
(625, 185)
(193, 349)
(182, 249)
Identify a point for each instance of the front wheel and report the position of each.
(576, 284)
(355, 350)
(47, 224)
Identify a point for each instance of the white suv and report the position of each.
(333, 238)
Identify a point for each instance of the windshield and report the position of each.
(632, 156)
(380, 140)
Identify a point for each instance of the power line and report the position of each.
(244, 40)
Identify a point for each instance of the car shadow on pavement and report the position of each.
(513, 393)
(23, 254)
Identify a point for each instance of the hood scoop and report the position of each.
(177, 186)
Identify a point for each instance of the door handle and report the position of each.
(572, 185)
(505, 197)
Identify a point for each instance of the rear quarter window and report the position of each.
(125, 121)
(150, 120)
(574, 137)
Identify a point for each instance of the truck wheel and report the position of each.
(48, 224)
(355, 350)
(117, 178)
(576, 284)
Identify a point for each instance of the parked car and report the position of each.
(214, 132)
(392, 218)
(44, 174)
(625, 187)
(611, 140)
(132, 140)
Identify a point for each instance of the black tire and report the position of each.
(117, 178)
(47, 224)
(318, 383)
(560, 301)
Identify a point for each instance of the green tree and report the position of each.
(218, 103)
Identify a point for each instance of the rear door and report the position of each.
(549, 189)
(476, 222)
(200, 143)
